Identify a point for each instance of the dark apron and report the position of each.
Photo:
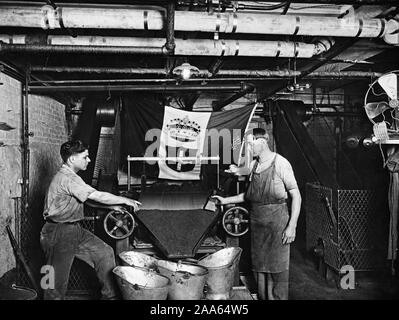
(269, 218)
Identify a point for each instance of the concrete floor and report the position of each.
(307, 284)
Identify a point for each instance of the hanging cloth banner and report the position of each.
(196, 134)
(152, 130)
(183, 135)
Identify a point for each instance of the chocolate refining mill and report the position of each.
(174, 221)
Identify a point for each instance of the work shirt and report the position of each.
(65, 197)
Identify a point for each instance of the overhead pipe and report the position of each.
(339, 2)
(330, 8)
(135, 45)
(334, 114)
(151, 88)
(247, 88)
(341, 74)
(37, 48)
(260, 74)
(46, 17)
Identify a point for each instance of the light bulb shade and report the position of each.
(298, 86)
(185, 71)
(185, 74)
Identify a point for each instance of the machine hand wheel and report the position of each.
(119, 224)
(236, 221)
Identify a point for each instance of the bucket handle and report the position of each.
(190, 260)
(206, 255)
(238, 254)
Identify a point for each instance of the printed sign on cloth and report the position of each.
(183, 134)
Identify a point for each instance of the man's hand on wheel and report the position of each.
(133, 203)
(116, 207)
(220, 199)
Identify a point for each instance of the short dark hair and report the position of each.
(72, 147)
(259, 133)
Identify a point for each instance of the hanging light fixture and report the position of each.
(186, 71)
(297, 86)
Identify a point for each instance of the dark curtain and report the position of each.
(140, 113)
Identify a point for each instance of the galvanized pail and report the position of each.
(17, 293)
(138, 259)
(186, 280)
(222, 266)
(141, 284)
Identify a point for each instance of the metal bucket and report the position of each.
(222, 266)
(137, 259)
(17, 293)
(187, 281)
(141, 284)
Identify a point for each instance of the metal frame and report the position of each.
(131, 159)
(353, 239)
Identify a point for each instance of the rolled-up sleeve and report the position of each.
(79, 189)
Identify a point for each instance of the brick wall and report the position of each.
(47, 122)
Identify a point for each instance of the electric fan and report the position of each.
(382, 106)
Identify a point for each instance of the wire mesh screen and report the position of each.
(81, 275)
(28, 231)
(319, 226)
(104, 153)
(360, 229)
(358, 238)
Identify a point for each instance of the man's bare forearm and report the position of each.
(239, 198)
(106, 198)
(295, 206)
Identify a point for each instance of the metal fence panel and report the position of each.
(358, 239)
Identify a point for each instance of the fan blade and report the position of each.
(389, 83)
(374, 109)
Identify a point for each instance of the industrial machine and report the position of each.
(174, 220)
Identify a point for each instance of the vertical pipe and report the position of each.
(128, 173)
(17, 219)
(170, 28)
(27, 134)
(338, 142)
(25, 147)
(22, 146)
(217, 174)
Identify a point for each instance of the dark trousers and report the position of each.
(272, 286)
(61, 243)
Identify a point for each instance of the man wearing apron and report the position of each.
(271, 179)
